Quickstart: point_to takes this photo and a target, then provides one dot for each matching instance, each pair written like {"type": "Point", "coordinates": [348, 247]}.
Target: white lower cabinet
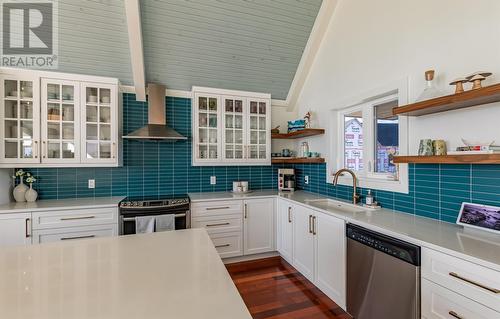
{"type": "Point", "coordinates": [228, 244]}
{"type": "Point", "coordinates": [15, 229]}
{"type": "Point", "coordinates": [284, 226]}
{"type": "Point", "coordinates": [258, 226]}
{"type": "Point", "coordinates": [73, 233]}
{"type": "Point", "coordinates": [303, 241]}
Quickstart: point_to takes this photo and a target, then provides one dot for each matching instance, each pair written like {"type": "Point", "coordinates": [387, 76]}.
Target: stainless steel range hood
{"type": "Point", "coordinates": [157, 128]}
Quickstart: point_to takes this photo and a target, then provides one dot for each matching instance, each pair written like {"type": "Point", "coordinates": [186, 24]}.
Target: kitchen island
{"type": "Point", "coordinates": [176, 275]}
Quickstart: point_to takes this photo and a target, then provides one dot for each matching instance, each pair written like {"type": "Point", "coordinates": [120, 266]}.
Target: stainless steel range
{"type": "Point", "coordinates": [133, 207]}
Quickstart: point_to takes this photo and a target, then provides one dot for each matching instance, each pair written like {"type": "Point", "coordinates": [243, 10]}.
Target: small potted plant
{"type": "Point", "coordinates": [31, 194]}
{"type": "Point", "coordinates": [20, 190]}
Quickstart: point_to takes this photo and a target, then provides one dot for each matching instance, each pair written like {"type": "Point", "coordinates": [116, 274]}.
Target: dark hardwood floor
{"type": "Point", "coordinates": [271, 288]}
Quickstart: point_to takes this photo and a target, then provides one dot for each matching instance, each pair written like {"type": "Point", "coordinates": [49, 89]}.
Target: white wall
{"type": "Point", "coordinates": [5, 185]}
{"type": "Point", "coordinates": [372, 43]}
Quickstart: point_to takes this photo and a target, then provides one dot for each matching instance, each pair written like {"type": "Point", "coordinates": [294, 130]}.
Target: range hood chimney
{"type": "Point", "coordinates": [157, 128]}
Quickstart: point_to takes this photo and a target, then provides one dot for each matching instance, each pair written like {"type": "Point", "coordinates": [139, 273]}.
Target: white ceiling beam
{"type": "Point", "coordinates": [133, 13]}
{"type": "Point", "coordinates": [320, 27]}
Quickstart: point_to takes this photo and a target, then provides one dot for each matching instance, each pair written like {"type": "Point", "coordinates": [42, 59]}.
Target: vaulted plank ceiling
{"type": "Point", "coordinates": [253, 45]}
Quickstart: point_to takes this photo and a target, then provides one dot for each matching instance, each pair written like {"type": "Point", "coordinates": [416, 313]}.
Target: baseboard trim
{"type": "Point", "coordinates": [232, 260]}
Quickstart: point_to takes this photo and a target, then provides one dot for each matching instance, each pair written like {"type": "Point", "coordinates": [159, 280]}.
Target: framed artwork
{"type": "Point", "coordinates": [480, 217]}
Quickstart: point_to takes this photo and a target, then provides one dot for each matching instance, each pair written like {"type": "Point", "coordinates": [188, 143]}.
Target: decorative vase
{"type": "Point", "coordinates": [31, 194]}
{"type": "Point", "coordinates": [20, 191]}
{"type": "Point", "coordinates": [426, 148]}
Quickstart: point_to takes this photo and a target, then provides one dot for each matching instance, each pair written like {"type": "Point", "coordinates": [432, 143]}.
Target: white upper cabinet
{"type": "Point", "coordinates": [58, 120]}
{"type": "Point", "coordinates": [231, 127]}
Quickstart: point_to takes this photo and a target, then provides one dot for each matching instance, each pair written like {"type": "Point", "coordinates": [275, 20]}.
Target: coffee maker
{"type": "Point", "coordinates": [286, 180]}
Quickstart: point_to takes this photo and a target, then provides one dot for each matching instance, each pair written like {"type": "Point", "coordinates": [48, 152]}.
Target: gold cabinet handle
{"type": "Point", "coordinates": [221, 224]}
{"type": "Point", "coordinates": [289, 214]}
{"type": "Point", "coordinates": [454, 314]}
{"type": "Point", "coordinates": [245, 215]}
{"type": "Point", "coordinates": [27, 228]}
{"type": "Point", "coordinates": [77, 237]}
{"type": "Point", "coordinates": [310, 224]}
{"type": "Point", "coordinates": [216, 208]}
{"type": "Point", "coordinates": [475, 283]}
{"type": "Point", "coordinates": [314, 225]}
{"type": "Point", "coordinates": [35, 149]}
{"type": "Point", "coordinates": [44, 149]}
{"type": "Point", "coordinates": [224, 245]}
{"type": "Point", "coordinates": [77, 218]}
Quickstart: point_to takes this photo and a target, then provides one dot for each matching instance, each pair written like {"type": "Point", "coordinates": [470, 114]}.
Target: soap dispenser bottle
{"type": "Point", "coordinates": [369, 198]}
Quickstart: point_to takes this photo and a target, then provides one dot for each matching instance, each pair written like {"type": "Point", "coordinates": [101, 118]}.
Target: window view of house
{"type": "Point", "coordinates": [386, 137]}
{"type": "Point", "coordinates": [353, 141]}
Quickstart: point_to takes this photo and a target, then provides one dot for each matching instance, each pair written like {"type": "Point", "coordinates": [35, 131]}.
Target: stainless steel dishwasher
{"type": "Point", "coordinates": [383, 276]}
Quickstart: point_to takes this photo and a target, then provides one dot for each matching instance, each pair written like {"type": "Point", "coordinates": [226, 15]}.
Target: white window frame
{"type": "Point", "coordinates": [367, 178]}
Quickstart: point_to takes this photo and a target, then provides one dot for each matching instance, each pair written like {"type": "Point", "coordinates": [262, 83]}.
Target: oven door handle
{"type": "Point", "coordinates": [129, 219]}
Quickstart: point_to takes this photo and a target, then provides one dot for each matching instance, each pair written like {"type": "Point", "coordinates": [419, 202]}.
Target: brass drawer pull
{"type": "Point", "coordinates": [289, 214]}
{"type": "Point", "coordinates": [454, 314]}
{"type": "Point", "coordinates": [314, 225]}
{"type": "Point", "coordinates": [215, 225]}
{"type": "Point", "coordinates": [77, 237]}
{"type": "Point", "coordinates": [225, 245]}
{"type": "Point", "coordinates": [475, 283]}
{"type": "Point", "coordinates": [310, 224]}
{"type": "Point", "coordinates": [77, 218]}
{"type": "Point", "coordinates": [215, 208]}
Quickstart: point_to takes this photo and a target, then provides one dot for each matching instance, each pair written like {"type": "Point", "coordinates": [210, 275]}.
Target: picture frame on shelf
{"type": "Point", "coordinates": [479, 216]}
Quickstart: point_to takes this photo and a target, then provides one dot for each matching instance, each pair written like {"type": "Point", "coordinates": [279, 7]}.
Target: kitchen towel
{"type": "Point", "coordinates": [144, 224]}
{"type": "Point", "coordinates": [165, 222]}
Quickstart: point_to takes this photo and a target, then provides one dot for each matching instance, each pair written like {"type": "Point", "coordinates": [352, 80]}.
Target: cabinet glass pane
{"type": "Point", "coordinates": [10, 129]}
{"type": "Point", "coordinates": [213, 136]}
{"type": "Point", "coordinates": [229, 106]}
{"type": "Point", "coordinates": [68, 150]}
{"type": "Point", "coordinates": [253, 108]}
{"type": "Point", "coordinates": [105, 114]}
{"type": "Point", "coordinates": [91, 113]}
{"type": "Point", "coordinates": [229, 121]}
{"type": "Point", "coordinates": [68, 93]}
{"type": "Point", "coordinates": [105, 150]}
{"type": "Point", "coordinates": [68, 111]}
{"type": "Point", "coordinates": [91, 95]}
{"type": "Point", "coordinates": [92, 150]}
{"type": "Point", "coordinates": [104, 132]}
{"type": "Point", "coordinates": [10, 149]}
{"type": "Point", "coordinates": [238, 137]}
{"type": "Point", "coordinates": [26, 89]}
{"type": "Point", "coordinates": [229, 136]}
{"type": "Point", "coordinates": [53, 150]}
{"type": "Point", "coordinates": [53, 131]}
{"type": "Point", "coordinates": [253, 123]}
{"type": "Point", "coordinates": [53, 91]}
{"type": "Point", "coordinates": [92, 132]}
{"type": "Point", "coordinates": [212, 152]}
{"type": "Point", "coordinates": [203, 103]}
{"type": "Point", "coordinates": [262, 107]}
{"type": "Point", "coordinates": [253, 137]}
{"type": "Point", "coordinates": [212, 104]}
{"type": "Point", "coordinates": [212, 120]}
{"type": "Point", "coordinates": [10, 109]}
{"type": "Point", "coordinates": [262, 152]}
{"type": "Point", "coordinates": [27, 149]}
{"type": "Point", "coordinates": [53, 112]}
{"type": "Point", "coordinates": [11, 90]}
{"type": "Point", "coordinates": [203, 151]}
{"type": "Point", "coordinates": [238, 151]}
{"type": "Point", "coordinates": [238, 121]}
{"type": "Point", "coordinates": [68, 131]}
{"type": "Point", "coordinates": [262, 137]}
{"type": "Point", "coordinates": [27, 129]}
{"type": "Point", "coordinates": [238, 106]}
{"type": "Point", "coordinates": [203, 120]}
{"type": "Point", "coordinates": [229, 153]}
{"type": "Point", "coordinates": [104, 96]}
{"type": "Point", "coordinates": [203, 135]}
{"type": "Point", "coordinates": [262, 123]}
{"type": "Point", "coordinates": [26, 109]}
{"type": "Point", "coordinates": [253, 151]}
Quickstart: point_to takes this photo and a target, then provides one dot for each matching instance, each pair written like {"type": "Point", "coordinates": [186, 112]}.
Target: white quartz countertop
{"type": "Point", "coordinates": [204, 197]}
{"type": "Point", "coordinates": [175, 274]}
{"type": "Point", "coordinates": [474, 245]}
{"type": "Point", "coordinates": [54, 204]}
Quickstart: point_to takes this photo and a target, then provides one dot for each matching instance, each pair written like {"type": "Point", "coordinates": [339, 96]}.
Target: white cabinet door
{"type": "Point", "coordinates": [330, 257]}
{"type": "Point", "coordinates": [60, 121]}
{"type": "Point", "coordinates": [258, 226]}
{"type": "Point", "coordinates": [206, 129]}
{"type": "Point", "coordinates": [19, 119]}
{"type": "Point", "coordinates": [234, 126]}
{"type": "Point", "coordinates": [258, 137]}
{"type": "Point", "coordinates": [303, 241]}
{"type": "Point", "coordinates": [15, 229]}
{"type": "Point", "coordinates": [100, 123]}
{"type": "Point", "coordinates": [285, 220]}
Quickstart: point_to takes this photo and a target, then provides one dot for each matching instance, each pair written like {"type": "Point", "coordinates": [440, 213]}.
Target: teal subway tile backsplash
{"type": "Point", "coordinates": [152, 168]}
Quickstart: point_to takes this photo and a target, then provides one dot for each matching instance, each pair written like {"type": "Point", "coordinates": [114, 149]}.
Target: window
{"type": "Point", "coordinates": [370, 136]}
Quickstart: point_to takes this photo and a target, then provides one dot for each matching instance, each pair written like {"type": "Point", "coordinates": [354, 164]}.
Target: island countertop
{"type": "Point", "coordinates": [161, 275]}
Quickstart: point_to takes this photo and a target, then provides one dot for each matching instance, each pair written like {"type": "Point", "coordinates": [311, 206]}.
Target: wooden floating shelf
{"type": "Point", "coordinates": [485, 95]}
{"type": "Point", "coordinates": [450, 159]}
{"type": "Point", "coordinates": [297, 160]}
{"type": "Point", "coordinates": [298, 134]}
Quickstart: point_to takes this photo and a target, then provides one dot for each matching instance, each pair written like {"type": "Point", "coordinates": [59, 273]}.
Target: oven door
{"type": "Point", "coordinates": [127, 217]}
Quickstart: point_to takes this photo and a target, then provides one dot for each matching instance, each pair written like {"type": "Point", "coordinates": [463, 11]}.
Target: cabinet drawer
{"type": "Point", "coordinates": [77, 217]}
{"type": "Point", "coordinates": [228, 244]}
{"type": "Point", "coordinates": [222, 224]}
{"type": "Point", "coordinates": [439, 302]}
{"type": "Point", "coordinates": [74, 233]}
{"type": "Point", "coordinates": [471, 280]}
{"type": "Point", "coordinates": [217, 208]}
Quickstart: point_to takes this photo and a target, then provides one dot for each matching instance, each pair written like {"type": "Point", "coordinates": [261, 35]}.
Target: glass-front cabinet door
{"type": "Point", "coordinates": [258, 133]}
{"type": "Point", "coordinates": [99, 123]}
{"type": "Point", "coordinates": [60, 121]}
{"type": "Point", "coordinates": [19, 120]}
{"type": "Point", "coordinates": [234, 126]}
{"type": "Point", "coordinates": [207, 110]}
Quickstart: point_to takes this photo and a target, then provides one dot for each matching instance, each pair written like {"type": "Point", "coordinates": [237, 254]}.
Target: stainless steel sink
{"type": "Point", "coordinates": [332, 204]}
